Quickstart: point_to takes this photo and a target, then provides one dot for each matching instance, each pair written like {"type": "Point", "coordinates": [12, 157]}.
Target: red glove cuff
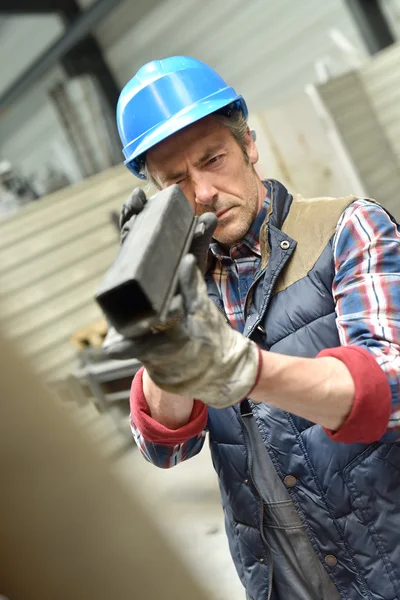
{"type": "Point", "coordinates": [372, 406]}
{"type": "Point", "coordinates": [154, 432]}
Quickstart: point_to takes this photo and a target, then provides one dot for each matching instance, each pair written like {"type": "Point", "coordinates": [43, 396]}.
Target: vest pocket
{"type": "Point", "coordinates": [254, 560]}
{"type": "Point", "coordinates": [372, 529]}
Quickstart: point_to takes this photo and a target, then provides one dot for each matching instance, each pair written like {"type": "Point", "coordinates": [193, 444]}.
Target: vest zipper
{"type": "Point", "coordinates": [259, 275]}
{"type": "Point", "coordinates": [261, 501]}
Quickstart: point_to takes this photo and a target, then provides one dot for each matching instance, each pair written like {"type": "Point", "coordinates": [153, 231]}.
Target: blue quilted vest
{"type": "Point", "coordinates": [348, 496]}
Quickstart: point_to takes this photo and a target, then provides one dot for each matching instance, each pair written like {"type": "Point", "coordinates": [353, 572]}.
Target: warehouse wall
{"type": "Point", "coordinates": [21, 40]}
{"type": "Point", "coordinates": [31, 135]}
{"type": "Point", "coordinates": [267, 50]}
{"type": "Point", "coordinates": [365, 105]}
{"type": "Point", "coordinates": [54, 253]}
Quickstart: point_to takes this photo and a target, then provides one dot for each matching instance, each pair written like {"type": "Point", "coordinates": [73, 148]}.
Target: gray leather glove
{"type": "Point", "coordinates": [129, 211]}
{"type": "Point", "coordinates": [200, 356]}
{"type": "Point", "coordinates": [115, 345]}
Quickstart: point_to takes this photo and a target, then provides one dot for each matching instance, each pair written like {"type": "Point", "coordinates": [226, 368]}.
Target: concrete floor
{"type": "Point", "coordinates": [185, 502]}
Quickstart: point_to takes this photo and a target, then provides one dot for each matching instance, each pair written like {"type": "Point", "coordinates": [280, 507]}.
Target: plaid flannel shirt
{"type": "Point", "coordinates": [366, 289]}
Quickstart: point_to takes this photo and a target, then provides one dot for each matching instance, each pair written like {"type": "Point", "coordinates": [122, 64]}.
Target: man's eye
{"type": "Point", "coordinates": [214, 159]}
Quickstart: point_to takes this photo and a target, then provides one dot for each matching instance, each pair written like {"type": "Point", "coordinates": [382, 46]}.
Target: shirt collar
{"type": "Point", "coordinates": [250, 244]}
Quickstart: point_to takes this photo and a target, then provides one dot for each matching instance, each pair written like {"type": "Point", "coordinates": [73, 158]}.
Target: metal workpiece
{"type": "Point", "coordinates": [136, 292]}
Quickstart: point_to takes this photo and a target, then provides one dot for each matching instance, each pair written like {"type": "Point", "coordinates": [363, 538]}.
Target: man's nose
{"type": "Point", "coordinates": [204, 191]}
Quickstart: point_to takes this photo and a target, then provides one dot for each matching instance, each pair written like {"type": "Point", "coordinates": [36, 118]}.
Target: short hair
{"type": "Point", "coordinates": [233, 119]}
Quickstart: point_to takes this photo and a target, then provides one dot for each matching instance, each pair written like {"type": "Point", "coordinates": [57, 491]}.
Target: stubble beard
{"type": "Point", "coordinates": [235, 231]}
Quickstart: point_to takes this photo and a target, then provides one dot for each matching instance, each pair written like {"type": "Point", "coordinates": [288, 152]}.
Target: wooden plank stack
{"type": "Point", "coordinates": [54, 253]}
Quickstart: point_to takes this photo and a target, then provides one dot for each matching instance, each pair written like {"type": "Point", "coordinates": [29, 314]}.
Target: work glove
{"type": "Point", "coordinates": [115, 345]}
{"type": "Point", "coordinates": [200, 355]}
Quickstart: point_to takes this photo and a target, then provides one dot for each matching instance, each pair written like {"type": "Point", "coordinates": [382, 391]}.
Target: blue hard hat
{"type": "Point", "coordinates": [165, 96]}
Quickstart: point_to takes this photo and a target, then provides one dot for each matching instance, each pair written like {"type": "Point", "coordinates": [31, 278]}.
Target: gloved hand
{"type": "Point", "coordinates": [115, 345]}
{"type": "Point", "coordinates": [205, 228]}
{"type": "Point", "coordinates": [129, 211]}
{"type": "Point", "coordinates": [200, 356]}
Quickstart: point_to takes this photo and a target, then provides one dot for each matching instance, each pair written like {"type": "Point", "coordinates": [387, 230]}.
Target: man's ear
{"type": "Point", "coordinates": [251, 148]}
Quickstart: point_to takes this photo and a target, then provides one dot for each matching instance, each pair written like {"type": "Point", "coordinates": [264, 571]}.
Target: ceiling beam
{"type": "Point", "coordinates": [18, 7]}
{"type": "Point", "coordinates": [76, 32]}
{"type": "Point", "coordinates": [87, 57]}
{"type": "Point", "coordinates": [372, 24]}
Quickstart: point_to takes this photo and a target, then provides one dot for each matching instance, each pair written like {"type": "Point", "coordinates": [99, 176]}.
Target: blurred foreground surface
{"type": "Point", "coordinates": [185, 502]}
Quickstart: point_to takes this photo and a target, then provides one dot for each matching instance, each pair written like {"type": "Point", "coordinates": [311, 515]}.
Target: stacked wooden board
{"type": "Point", "coordinates": [53, 254]}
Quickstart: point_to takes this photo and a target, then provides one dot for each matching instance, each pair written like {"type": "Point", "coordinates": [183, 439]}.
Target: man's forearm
{"type": "Point", "coordinates": [320, 390]}
{"type": "Point", "coordinates": [170, 410]}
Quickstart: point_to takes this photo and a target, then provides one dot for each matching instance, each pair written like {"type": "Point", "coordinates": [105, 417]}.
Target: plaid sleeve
{"type": "Point", "coordinates": [366, 289]}
{"type": "Point", "coordinates": [164, 456]}
{"type": "Point", "coordinates": [161, 446]}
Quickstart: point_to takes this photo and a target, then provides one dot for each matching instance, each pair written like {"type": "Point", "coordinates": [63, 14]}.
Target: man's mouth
{"type": "Point", "coordinates": [221, 213]}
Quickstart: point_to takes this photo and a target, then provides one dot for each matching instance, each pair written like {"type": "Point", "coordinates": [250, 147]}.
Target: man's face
{"type": "Point", "coordinates": [211, 169]}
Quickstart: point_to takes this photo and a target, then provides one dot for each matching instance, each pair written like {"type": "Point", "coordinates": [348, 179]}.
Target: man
{"type": "Point", "coordinates": [300, 391]}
